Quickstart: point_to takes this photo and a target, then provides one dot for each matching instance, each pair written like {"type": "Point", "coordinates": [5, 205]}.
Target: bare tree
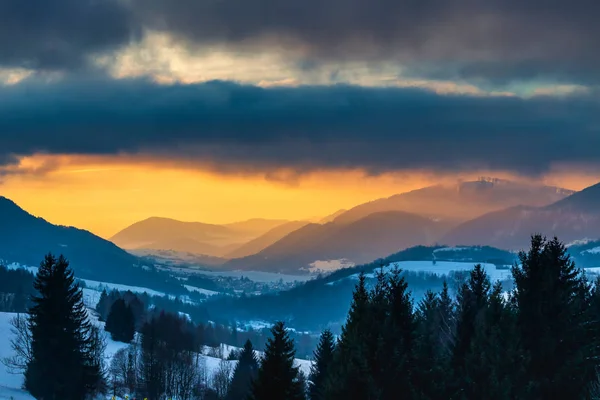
{"type": "Point", "coordinates": [96, 352]}
{"type": "Point", "coordinates": [201, 384]}
{"type": "Point", "coordinates": [20, 344]}
{"type": "Point", "coordinates": [118, 372]}
{"type": "Point", "coordinates": [222, 378]}
{"type": "Point", "coordinates": [216, 352]}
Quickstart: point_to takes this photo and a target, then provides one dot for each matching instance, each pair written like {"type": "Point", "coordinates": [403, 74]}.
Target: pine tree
{"type": "Point", "coordinates": [350, 377]}
{"type": "Point", "coordinates": [153, 374]}
{"type": "Point", "coordinates": [277, 376]}
{"type": "Point", "coordinates": [471, 302]}
{"type": "Point", "coordinates": [429, 374]}
{"type": "Point", "coordinates": [397, 350]}
{"type": "Point", "coordinates": [63, 364]}
{"type": "Point", "coordinates": [102, 306]}
{"type": "Point", "coordinates": [245, 372]}
{"type": "Point", "coordinates": [121, 322]}
{"type": "Point", "coordinates": [323, 358]}
{"type": "Point", "coordinates": [446, 311]}
{"type": "Point", "coordinates": [552, 299]}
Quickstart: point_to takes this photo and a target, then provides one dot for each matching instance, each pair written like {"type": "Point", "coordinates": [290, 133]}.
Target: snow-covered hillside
{"type": "Point", "coordinates": [10, 384]}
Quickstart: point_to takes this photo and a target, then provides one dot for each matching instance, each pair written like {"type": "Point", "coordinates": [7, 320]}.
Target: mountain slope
{"type": "Point", "coordinates": [193, 237]}
{"type": "Point", "coordinates": [26, 239]}
{"type": "Point", "coordinates": [461, 202]}
{"type": "Point", "coordinates": [371, 237]}
{"type": "Point", "coordinates": [255, 226]}
{"type": "Point", "coordinates": [331, 217]}
{"type": "Point", "coordinates": [263, 241]}
{"type": "Point", "coordinates": [575, 217]}
{"type": "Point", "coordinates": [156, 229]}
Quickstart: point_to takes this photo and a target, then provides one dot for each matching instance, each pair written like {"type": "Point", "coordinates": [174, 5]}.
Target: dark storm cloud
{"type": "Point", "coordinates": [60, 34]}
{"type": "Point", "coordinates": [491, 41]}
{"type": "Point", "coordinates": [497, 40]}
{"type": "Point", "coordinates": [237, 128]}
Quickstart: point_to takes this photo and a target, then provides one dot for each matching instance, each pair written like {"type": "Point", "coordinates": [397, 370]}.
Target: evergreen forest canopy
{"type": "Point", "coordinates": [539, 340]}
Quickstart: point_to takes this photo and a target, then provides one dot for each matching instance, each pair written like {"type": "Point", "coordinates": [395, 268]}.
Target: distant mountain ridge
{"type": "Point", "coordinates": [463, 201]}
{"type": "Point", "coordinates": [194, 237]}
{"type": "Point", "coordinates": [572, 218]}
{"type": "Point", "coordinates": [374, 236]}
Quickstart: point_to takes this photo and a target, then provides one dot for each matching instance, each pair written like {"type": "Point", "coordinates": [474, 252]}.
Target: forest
{"type": "Point", "coordinates": [538, 340]}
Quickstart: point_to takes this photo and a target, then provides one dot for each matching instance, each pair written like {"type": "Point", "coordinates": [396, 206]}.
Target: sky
{"type": "Point", "coordinates": [113, 111]}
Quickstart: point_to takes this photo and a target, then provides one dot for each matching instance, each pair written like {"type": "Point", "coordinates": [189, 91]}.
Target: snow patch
{"type": "Point", "coordinates": [200, 290]}
{"type": "Point", "coordinates": [100, 286]}
{"type": "Point", "coordinates": [443, 249]}
{"type": "Point", "coordinates": [329, 265]}
{"type": "Point", "coordinates": [595, 250]}
{"type": "Point", "coordinates": [579, 242]}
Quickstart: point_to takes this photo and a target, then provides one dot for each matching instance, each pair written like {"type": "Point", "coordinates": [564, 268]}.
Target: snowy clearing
{"type": "Point", "coordinates": [329, 265]}
{"type": "Point", "coordinates": [595, 250]}
{"type": "Point", "coordinates": [445, 267]}
{"type": "Point", "coordinates": [448, 249]}
{"type": "Point", "coordinates": [200, 290]}
{"type": "Point", "coordinates": [99, 286]}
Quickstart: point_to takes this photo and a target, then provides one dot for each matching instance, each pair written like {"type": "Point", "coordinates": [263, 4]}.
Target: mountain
{"type": "Point", "coordinates": [255, 226]}
{"type": "Point", "coordinates": [331, 217]}
{"type": "Point", "coordinates": [193, 237]}
{"type": "Point", "coordinates": [572, 218]}
{"type": "Point", "coordinates": [461, 202]}
{"type": "Point", "coordinates": [26, 239]}
{"type": "Point", "coordinates": [374, 236]}
{"type": "Point", "coordinates": [265, 240]}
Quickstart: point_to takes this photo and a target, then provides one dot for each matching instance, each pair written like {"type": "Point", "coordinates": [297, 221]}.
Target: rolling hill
{"type": "Point", "coordinates": [374, 236]}
{"type": "Point", "coordinates": [192, 237]}
{"type": "Point", "coordinates": [572, 218]}
{"type": "Point", "coordinates": [256, 245]}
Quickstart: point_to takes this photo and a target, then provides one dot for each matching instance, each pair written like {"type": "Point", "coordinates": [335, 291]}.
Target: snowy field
{"type": "Point", "coordinates": [200, 290]}
{"type": "Point", "coordinates": [329, 266]}
{"type": "Point", "coordinates": [595, 250]}
{"type": "Point", "coordinates": [99, 286]}
{"type": "Point", "coordinates": [10, 384]}
{"type": "Point", "coordinates": [441, 268]}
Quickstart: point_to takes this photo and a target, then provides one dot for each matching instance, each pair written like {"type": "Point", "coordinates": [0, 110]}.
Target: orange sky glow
{"type": "Point", "coordinates": [105, 195]}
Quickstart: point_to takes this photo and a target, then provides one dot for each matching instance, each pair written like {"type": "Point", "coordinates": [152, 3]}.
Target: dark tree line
{"type": "Point", "coordinates": [16, 289]}
{"type": "Point", "coordinates": [210, 333]}
{"type": "Point", "coordinates": [539, 341]}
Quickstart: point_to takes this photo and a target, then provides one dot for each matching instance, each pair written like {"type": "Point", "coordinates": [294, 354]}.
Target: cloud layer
{"type": "Point", "coordinates": [492, 41]}
{"type": "Point", "coordinates": [61, 34]}
{"type": "Point", "coordinates": [239, 128]}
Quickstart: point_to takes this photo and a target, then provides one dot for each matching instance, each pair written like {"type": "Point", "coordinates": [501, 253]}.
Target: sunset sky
{"type": "Point", "coordinates": [217, 111]}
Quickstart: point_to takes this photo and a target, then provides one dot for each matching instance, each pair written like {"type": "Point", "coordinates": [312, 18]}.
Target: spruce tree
{"type": "Point", "coordinates": [430, 371]}
{"type": "Point", "coordinates": [397, 351]}
{"type": "Point", "coordinates": [277, 376]}
{"type": "Point", "coordinates": [471, 302]}
{"type": "Point", "coordinates": [552, 299]}
{"type": "Point", "coordinates": [102, 305]}
{"type": "Point", "coordinates": [319, 371]}
{"type": "Point", "coordinates": [245, 372]}
{"type": "Point", "coordinates": [350, 378]}
{"type": "Point", "coordinates": [63, 364]}
{"type": "Point", "coordinates": [121, 322]}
